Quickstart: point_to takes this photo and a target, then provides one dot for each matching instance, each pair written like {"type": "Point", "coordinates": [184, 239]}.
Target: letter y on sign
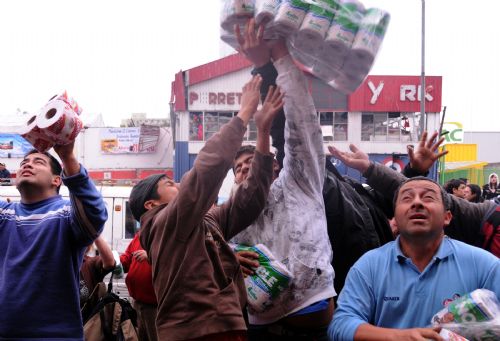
{"type": "Point", "coordinates": [375, 91]}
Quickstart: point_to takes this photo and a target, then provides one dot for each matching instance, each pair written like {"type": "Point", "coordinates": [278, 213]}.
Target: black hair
{"type": "Point", "coordinates": [476, 190]}
{"type": "Point", "coordinates": [453, 184]}
{"type": "Point", "coordinates": [55, 166]}
{"type": "Point", "coordinates": [444, 196]}
{"type": "Point", "coordinates": [246, 149]}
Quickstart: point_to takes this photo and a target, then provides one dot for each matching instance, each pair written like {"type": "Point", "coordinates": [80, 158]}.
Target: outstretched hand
{"type": "Point", "coordinates": [252, 43]}
{"type": "Point", "coordinates": [270, 108]}
{"type": "Point", "coordinates": [250, 98]}
{"type": "Point", "coordinates": [426, 153]}
{"type": "Point", "coordinates": [356, 159]}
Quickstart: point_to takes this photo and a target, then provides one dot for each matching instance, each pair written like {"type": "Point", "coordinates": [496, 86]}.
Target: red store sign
{"type": "Point", "coordinates": [396, 94]}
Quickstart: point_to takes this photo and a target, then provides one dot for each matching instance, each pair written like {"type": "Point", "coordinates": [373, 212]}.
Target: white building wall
{"type": "Point", "coordinates": [89, 153]}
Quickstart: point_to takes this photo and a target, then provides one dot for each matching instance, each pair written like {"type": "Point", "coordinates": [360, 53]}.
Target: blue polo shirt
{"type": "Point", "coordinates": [384, 288]}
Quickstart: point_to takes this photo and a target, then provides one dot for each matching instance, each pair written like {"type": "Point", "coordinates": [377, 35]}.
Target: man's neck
{"type": "Point", "coordinates": [32, 195]}
{"type": "Point", "coordinates": [419, 251]}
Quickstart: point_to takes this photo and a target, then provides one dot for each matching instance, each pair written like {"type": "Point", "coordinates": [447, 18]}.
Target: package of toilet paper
{"type": "Point", "coordinates": [269, 280]}
{"type": "Point", "coordinates": [474, 316]}
{"type": "Point", "coordinates": [336, 40]}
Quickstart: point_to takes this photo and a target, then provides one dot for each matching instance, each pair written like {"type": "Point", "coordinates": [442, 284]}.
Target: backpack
{"type": "Point", "coordinates": [112, 319]}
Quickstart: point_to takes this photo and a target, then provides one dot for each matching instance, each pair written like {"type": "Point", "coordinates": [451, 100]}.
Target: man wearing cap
{"type": "Point", "coordinates": [196, 277]}
{"type": "Point", "coordinates": [135, 261]}
{"type": "Point", "coordinates": [4, 174]}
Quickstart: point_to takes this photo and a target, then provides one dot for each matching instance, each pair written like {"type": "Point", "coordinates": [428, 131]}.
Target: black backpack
{"type": "Point", "coordinates": [112, 319]}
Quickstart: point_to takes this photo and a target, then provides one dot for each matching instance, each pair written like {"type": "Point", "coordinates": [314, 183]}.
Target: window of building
{"type": "Point", "coordinates": [251, 134]}
{"type": "Point", "coordinates": [392, 126]}
{"type": "Point", "coordinates": [214, 121]}
{"type": "Point", "coordinates": [196, 126]}
{"type": "Point", "coordinates": [333, 125]}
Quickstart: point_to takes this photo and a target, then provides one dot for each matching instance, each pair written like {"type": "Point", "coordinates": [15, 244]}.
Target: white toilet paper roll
{"type": "Point", "coordinates": [37, 138]}
{"type": "Point", "coordinates": [236, 12]}
{"type": "Point", "coordinates": [325, 72]}
{"type": "Point", "coordinates": [289, 17]}
{"type": "Point", "coordinates": [229, 38]}
{"type": "Point", "coordinates": [59, 122]}
{"type": "Point", "coordinates": [370, 35]}
{"type": "Point", "coordinates": [309, 38]}
{"type": "Point", "coordinates": [303, 58]}
{"type": "Point", "coordinates": [265, 11]}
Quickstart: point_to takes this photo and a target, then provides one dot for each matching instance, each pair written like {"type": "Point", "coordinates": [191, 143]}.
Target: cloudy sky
{"type": "Point", "coordinates": [120, 57]}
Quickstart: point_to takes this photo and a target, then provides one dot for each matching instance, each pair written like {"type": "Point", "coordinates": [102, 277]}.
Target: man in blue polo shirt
{"type": "Point", "coordinates": [392, 292]}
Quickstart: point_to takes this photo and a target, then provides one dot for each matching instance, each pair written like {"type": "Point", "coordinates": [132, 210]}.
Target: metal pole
{"type": "Point", "coordinates": [422, 77]}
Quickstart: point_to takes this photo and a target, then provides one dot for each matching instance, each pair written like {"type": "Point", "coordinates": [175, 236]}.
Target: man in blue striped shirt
{"type": "Point", "coordinates": [392, 292]}
{"type": "Point", "coordinates": [42, 241]}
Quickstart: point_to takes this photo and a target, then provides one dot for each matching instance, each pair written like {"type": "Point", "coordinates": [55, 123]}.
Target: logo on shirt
{"type": "Point", "coordinates": [391, 298]}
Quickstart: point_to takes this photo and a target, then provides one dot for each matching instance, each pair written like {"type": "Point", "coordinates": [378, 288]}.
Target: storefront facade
{"type": "Point", "coordinates": [381, 117]}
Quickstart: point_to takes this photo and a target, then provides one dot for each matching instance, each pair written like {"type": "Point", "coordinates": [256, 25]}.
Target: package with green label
{"type": "Point", "coordinates": [475, 316]}
{"type": "Point", "coordinates": [269, 280]}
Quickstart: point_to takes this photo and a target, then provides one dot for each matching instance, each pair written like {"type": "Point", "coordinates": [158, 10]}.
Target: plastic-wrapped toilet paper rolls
{"type": "Point", "coordinates": [58, 122]}
{"type": "Point", "coordinates": [269, 280]}
{"type": "Point", "coordinates": [236, 12]}
{"type": "Point", "coordinates": [309, 38]}
{"type": "Point", "coordinates": [265, 11]}
{"type": "Point", "coordinates": [330, 38]}
{"type": "Point", "coordinates": [342, 32]}
{"type": "Point", "coordinates": [289, 17]}
{"type": "Point", "coordinates": [369, 38]}
{"type": "Point", "coordinates": [35, 136]}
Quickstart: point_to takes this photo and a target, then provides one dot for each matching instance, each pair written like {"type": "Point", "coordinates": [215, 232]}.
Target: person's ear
{"type": "Point", "coordinates": [447, 218]}
{"type": "Point", "coordinates": [56, 180]}
{"type": "Point", "coordinates": [150, 204]}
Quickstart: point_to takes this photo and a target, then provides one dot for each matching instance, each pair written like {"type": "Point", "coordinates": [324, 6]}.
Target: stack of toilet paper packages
{"type": "Point", "coordinates": [269, 280]}
{"type": "Point", "coordinates": [56, 123]}
{"type": "Point", "coordinates": [336, 40]}
{"type": "Point", "coordinates": [475, 316]}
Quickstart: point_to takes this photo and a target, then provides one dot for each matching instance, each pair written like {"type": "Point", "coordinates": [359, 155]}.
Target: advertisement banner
{"type": "Point", "coordinates": [129, 140]}
{"type": "Point", "coordinates": [13, 145]}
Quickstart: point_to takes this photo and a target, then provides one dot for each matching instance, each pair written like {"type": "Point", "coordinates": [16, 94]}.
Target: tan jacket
{"type": "Point", "coordinates": [196, 276]}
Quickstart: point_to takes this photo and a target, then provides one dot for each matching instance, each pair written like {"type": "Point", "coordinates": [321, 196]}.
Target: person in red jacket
{"type": "Point", "coordinates": [139, 282]}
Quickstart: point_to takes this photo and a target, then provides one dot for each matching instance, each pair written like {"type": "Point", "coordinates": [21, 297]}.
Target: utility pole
{"type": "Point", "coordinates": [422, 76]}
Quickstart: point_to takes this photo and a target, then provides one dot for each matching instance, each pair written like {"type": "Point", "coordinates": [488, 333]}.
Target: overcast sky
{"type": "Point", "coordinates": [120, 57]}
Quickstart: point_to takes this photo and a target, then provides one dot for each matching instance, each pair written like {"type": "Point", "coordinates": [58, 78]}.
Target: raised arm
{"type": "Point", "coordinates": [249, 199]}
{"type": "Point", "coordinates": [88, 209]}
{"type": "Point", "coordinates": [108, 261]}
{"type": "Point", "coordinates": [199, 187]}
{"type": "Point", "coordinates": [304, 163]}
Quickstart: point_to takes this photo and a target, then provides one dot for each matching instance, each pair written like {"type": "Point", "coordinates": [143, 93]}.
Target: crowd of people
{"type": "Point", "coordinates": [462, 188]}
{"type": "Point", "coordinates": [393, 249]}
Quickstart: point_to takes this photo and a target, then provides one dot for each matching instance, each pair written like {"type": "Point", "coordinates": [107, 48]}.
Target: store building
{"type": "Point", "coordinates": [382, 116]}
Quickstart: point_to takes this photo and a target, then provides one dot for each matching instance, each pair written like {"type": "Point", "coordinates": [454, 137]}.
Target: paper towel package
{"type": "Point", "coordinates": [57, 122]}
{"type": "Point", "coordinates": [269, 280]}
{"type": "Point", "coordinates": [336, 40]}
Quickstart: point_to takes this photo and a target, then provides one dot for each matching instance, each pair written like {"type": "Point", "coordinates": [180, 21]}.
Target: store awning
{"type": "Point", "coordinates": [448, 166]}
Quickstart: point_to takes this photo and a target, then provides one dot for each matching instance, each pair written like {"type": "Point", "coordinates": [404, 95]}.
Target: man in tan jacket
{"type": "Point", "coordinates": [196, 277]}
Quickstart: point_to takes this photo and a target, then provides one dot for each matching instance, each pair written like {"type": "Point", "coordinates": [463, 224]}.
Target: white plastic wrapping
{"type": "Point", "coordinates": [269, 280]}
{"type": "Point", "coordinates": [57, 122]}
{"type": "Point", "coordinates": [336, 40]}
{"type": "Point", "coordinates": [475, 316]}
